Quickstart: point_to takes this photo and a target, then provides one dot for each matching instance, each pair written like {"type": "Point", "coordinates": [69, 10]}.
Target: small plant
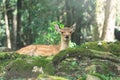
{"type": "Point", "coordinates": [72, 44]}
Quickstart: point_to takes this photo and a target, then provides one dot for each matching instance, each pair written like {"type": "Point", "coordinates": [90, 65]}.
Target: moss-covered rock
{"type": "Point", "coordinates": [92, 57]}
{"type": "Point", "coordinates": [13, 65]}
{"type": "Point", "coordinates": [81, 52]}
{"type": "Point", "coordinates": [112, 47]}
{"type": "Point", "coordinates": [7, 57]}
{"type": "Point", "coordinates": [23, 67]}
{"type": "Point", "coordinates": [49, 69]}
{"type": "Point", "coordinates": [100, 46]}
{"type": "Point", "coordinates": [4, 49]}
{"type": "Point", "coordinates": [73, 68]}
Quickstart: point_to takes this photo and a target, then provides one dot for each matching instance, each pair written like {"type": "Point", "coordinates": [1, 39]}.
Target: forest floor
{"type": "Point", "coordinates": [85, 62]}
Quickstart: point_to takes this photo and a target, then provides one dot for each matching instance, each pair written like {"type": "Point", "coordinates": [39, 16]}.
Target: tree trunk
{"type": "Point", "coordinates": [109, 22]}
{"type": "Point", "coordinates": [15, 28]}
{"type": "Point", "coordinates": [105, 20]}
{"type": "Point", "coordinates": [19, 23]}
{"type": "Point", "coordinates": [7, 25]}
{"type": "Point", "coordinates": [99, 19]}
{"type": "Point", "coordinates": [68, 13]}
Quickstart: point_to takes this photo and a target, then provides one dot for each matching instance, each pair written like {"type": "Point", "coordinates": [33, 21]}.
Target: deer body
{"type": "Point", "coordinates": [48, 50]}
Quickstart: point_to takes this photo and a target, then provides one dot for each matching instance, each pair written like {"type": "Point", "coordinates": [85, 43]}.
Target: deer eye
{"type": "Point", "coordinates": [70, 31]}
{"type": "Point", "coordinates": [62, 32]}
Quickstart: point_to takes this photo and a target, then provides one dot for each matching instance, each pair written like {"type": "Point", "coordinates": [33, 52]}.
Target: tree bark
{"type": "Point", "coordinates": [15, 29]}
{"type": "Point", "coordinates": [109, 22]}
{"type": "Point", "coordinates": [68, 13]}
{"type": "Point", "coordinates": [7, 25]}
{"type": "Point", "coordinates": [19, 23]}
{"type": "Point", "coordinates": [105, 20]}
{"type": "Point", "coordinates": [99, 19]}
{"type": "Point", "coordinates": [15, 21]}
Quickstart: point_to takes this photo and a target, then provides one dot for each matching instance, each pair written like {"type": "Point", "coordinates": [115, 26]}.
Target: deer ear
{"type": "Point", "coordinates": [57, 28]}
{"type": "Point", "coordinates": [73, 26]}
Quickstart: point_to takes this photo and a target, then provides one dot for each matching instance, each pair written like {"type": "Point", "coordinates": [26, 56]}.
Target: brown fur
{"type": "Point", "coordinates": [48, 50]}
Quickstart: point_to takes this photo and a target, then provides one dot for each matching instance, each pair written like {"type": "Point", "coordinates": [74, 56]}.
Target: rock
{"type": "Point", "coordinates": [4, 49]}
{"type": "Point", "coordinates": [91, 77]}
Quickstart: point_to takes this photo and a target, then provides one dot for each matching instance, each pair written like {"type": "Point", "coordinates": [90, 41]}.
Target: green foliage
{"type": "Point", "coordinates": [51, 36]}
{"type": "Point", "coordinates": [72, 44]}
{"type": "Point", "coordinates": [36, 18]}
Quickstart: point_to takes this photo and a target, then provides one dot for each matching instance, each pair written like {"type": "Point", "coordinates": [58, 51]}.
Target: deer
{"type": "Point", "coordinates": [49, 50]}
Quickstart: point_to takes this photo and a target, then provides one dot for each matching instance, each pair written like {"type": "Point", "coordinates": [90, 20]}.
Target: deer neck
{"type": "Point", "coordinates": [64, 44]}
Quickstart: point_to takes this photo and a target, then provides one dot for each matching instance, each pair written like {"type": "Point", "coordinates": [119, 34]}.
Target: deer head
{"type": "Point", "coordinates": [66, 32]}
{"type": "Point", "coordinates": [65, 35]}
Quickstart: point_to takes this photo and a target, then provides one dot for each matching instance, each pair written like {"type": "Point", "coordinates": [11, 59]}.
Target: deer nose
{"type": "Point", "coordinates": [66, 37]}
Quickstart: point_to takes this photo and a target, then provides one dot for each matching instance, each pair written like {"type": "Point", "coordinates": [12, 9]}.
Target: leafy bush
{"type": "Point", "coordinates": [51, 36]}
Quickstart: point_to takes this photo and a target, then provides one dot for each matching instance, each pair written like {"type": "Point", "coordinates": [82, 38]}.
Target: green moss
{"type": "Point", "coordinates": [100, 46]}
{"type": "Point", "coordinates": [10, 56]}
{"type": "Point", "coordinates": [103, 57]}
{"type": "Point", "coordinates": [39, 61]}
{"type": "Point", "coordinates": [49, 69]}
{"type": "Point", "coordinates": [6, 58]}
{"type": "Point", "coordinates": [48, 77]}
{"type": "Point", "coordinates": [28, 63]}
{"type": "Point", "coordinates": [78, 52]}
{"type": "Point", "coordinates": [23, 67]}
{"type": "Point", "coordinates": [20, 65]}
{"type": "Point", "coordinates": [106, 76]}
{"type": "Point", "coordinates": [114, 48]}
